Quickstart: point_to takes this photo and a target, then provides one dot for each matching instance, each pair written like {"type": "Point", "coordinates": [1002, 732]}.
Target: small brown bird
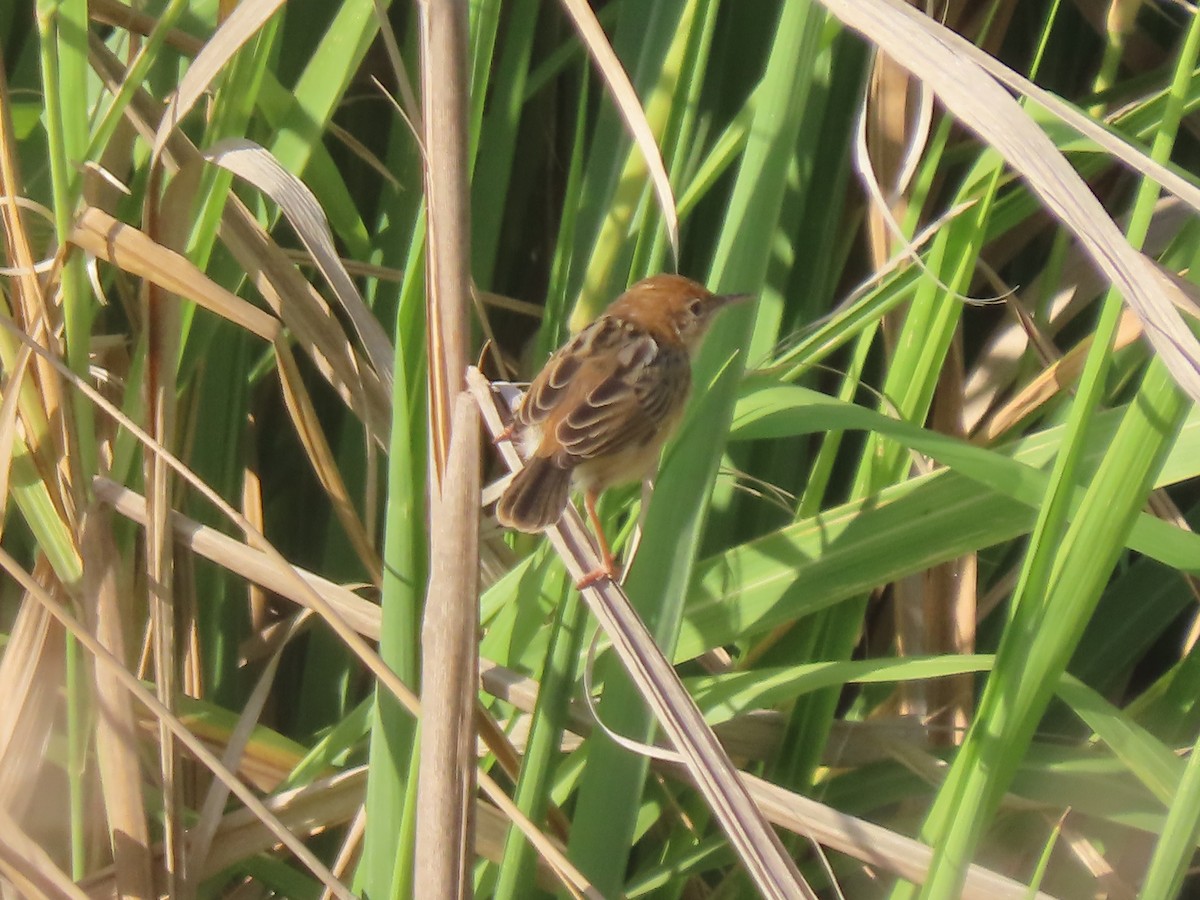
{"type": "Point", "coordinates": [601, 409]}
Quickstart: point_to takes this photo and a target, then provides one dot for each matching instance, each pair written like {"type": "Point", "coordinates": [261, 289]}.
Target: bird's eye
{"type": "Point", "coordinates": [696, 307]}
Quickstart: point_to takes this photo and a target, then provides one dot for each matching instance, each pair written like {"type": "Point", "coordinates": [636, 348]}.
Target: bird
{"type": "Point", "coordinates": [605, 403]}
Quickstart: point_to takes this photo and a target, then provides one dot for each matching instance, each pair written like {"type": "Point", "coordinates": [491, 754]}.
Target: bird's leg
{"type": "Point", "coordinates": [608, 566]}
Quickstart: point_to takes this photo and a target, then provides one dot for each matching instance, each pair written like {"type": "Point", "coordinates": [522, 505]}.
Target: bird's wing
{"type": "Point", "coordinates": [631, 393]}
{"type": "Point", "coordinates": [551, 385]}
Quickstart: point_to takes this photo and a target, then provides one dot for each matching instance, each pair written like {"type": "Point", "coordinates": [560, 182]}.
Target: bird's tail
{"type": "Point", "coordinates": [536, 496]}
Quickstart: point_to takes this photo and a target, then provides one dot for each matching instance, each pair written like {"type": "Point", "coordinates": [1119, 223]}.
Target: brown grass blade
{"type": "Point", "coordinates": [324, 464]}
{"type": "Point", "coordinates": [1111, 142]}
{"type": "Point", "coordinates": [117, 755]}
{"type": "Point", "coordinates": [202, 833]}
{"type": "Point", "coordinates": [873, 843]}
{"type": "Point", "coordinates": [1059, 376]}
{"type": "Point", "coordinates": [8, 425]}
{"type": "Point", "coordinates": [137, 253]}
{"type": "Point", "coordinates": [444, 88]}
{"type": "Point", "coordinates": [450, 671]}
{"type": "Point", "coordinates": [31, 677]}
{"type": "Point", "coordinates": [29, 868]}
{"type": "Point", "coordinates": [408, 105]}
{"type": "Point", "coordinates": [248, 562]}
{"type": "Point", "coordinates": [890, 139]}
{"type": "Point", "coordinates": [46, 411]}
{"type": "Point", "coordinates": [308, 318]}
{"type": "Point", "coordinates": [119, 15]}
{"type": "Point", "coordinates": [162, 318]}
{"type": "Point", "coordinates": [245, 21]}
{"type": "Point", "coordinates": [257, 166]}
{"type": "Point", "coordinates": [351, 847]}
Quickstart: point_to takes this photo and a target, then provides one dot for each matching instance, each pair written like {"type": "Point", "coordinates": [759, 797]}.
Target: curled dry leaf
{"type": "Point", "coordinates": [256, 165]}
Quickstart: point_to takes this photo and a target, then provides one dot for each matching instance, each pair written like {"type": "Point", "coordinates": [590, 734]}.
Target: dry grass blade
{"type": "Point", "coordinates": [320, 455]}
{"type": "Point", "coordinates": [249, 563]}
{"type": "Point", "coordinates": [116, 735]}
{"type": "Point", "coordinates": [1000, 363]}
{"type": "Point", "coordinates": [135, 252]}
{"type": "Point", "coordinates": [160, 387]}
{"type": "Point", "coordinates": [126, 18]}
{"type": "Point", "coordinates": [886, 153]}
{"type": "Point", "coordinates": [948, 64]}
{"type": "Point", "coordinates": [871, 843]}
{"type": "Point", "coordinates": [130, 683]}
{"type": "Point", "coordinates": [1059, 376]}
{"type": "Point", "coordinates": [1092, 859]}
{"type": "Point", "coordinates": [247, 18]}
{"type": "Point", "coordinates": [444, 90]}
{"type": "Point", "coordinates": [303, 811]}
{"type": "Point", "coordinates": [549, 850]}
{"type": "Point", "coordinates": [1108, 141]}
{"type": "Point", "coordinates": [310, 809]}
{"type": "Point", "coordinates": [445, 840]}
{"type": "Point", "coordinates": [1075, 286]}
{"type": "Point", "coordinates": [1002, 357]}
{"type": "Point", "coordinates": [44, 266]}
{"type": "Point", "coordinates": [948, 602]}
{"type": "Point", "coordinates": [8, 425]}
{"type": "Point", "coordinates": [449, 669]}
{"type": "Point", "coordinates": [29, 868]}
{"type": "Point", "coordinates": [308, 319]}
{"type": "Point", "coordinates": [253, 163]}
{"type": "Point", "coordinates": [202, 833]}
{"type": "Point", "coordinates": [351, 846]}
{"type": "Point", "coordinates": [31, 675]}
{"type": "Point", "coordinates": [409, 108]}
{"type": "Point", "coordinates": [630, 107]}
{"type": "Point", "coordinates": [757, 845]}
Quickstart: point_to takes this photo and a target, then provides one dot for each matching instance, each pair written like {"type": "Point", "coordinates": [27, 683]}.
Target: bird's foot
{"type": "Point", "coordinates": [606, 571]}
{"type": "Point", "coordinates": [594, 577]}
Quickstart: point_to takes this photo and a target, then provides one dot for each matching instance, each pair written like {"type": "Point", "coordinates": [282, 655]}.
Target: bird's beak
{"type": "Point", "coordinates": [729, 299]}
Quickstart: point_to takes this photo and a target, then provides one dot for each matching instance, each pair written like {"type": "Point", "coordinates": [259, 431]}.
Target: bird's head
{"type": "Point", "coordinates": [672, 308]}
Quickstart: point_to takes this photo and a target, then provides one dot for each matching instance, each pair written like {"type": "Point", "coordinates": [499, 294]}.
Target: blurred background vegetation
{"type": "Point", "coordinates": [922, 552]}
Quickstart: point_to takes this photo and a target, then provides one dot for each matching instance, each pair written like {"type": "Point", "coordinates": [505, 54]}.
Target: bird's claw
{"type": "Point", "coordinates": [594, 577]}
